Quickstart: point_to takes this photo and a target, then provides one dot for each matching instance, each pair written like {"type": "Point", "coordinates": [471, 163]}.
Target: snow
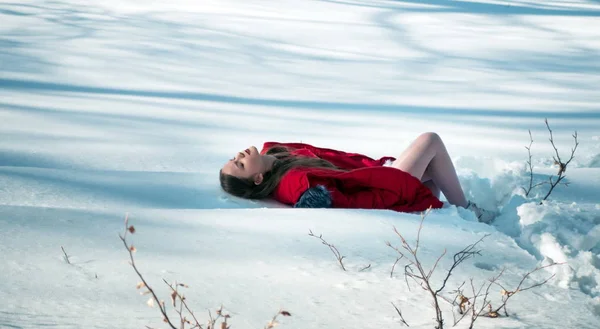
{"type": "Point", "coordinates": [132, 106]}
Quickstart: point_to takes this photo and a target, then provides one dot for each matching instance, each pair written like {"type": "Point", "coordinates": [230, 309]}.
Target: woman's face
{"type": "Point", "coordinates": [247, 164]}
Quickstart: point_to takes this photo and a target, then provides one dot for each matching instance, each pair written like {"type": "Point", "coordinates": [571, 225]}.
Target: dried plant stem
{"type": "Point", "coordinates": [365, 268]}
{"type": "Point", "coordinates": [271, 324]}
{"type": "Point", "coordinates": [220, 314]}
{"type": "Point", "coordinates": [394, 266]}
{"type": "Point", "coordinates": [65, 255]}
{"type": "Point", "coordinates": [333, 249]}
{"type": "Point", "coordinates": [507, 294]}
{"type": "Point", "coordinates": [182, 318]}
{"type": "Point", "coordinates": [212, 321]}
{"type": "Point", "coordinates": [468, 252]}
{"type": "Point", "coordinates": [530, 164]}
{"type": "Point", "coordinates": [562, 165]}
{"type": "Point", "coordinates": [453, 302]}
{"type": "Point", "coordinates": [465, 304]}
{"type": "Point", "coordinates": [182, 303]}
{"type": "Point", "coordinates": [414, 269]}
{"type": "Point", "coordinates": [476, 313]}
{"type": "Point", "coordinates": [400, 314]}
{"type": "Point", "coordinates": [175, 295]}
{"type": "Point", "coordinates": [161, 306]}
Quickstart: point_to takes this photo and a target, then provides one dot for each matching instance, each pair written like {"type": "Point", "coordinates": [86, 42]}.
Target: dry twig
{"type": "Point", "coordinates": [220, 314]}
{"type": "Point", "coordinates": [507, 294]}
{"type": "Point", "coordinates": [365, 268]}
{"type": "Point", "coordinates": [414, 269]}
{"type": "Point", "coordinates": [131, 249]}
{"type": "Point", "coordinates": [400, 314]}
{"type": "Point", "coordinates": [274, 322]}
{"type": "Point", "coordinates": [458, 293]}
{"type": "Point", "coordinates": [557, 160]}
{"type": "Point", "coordinates": [476, 313]}
{"type": "Point", "coordinates": [530, 164]}
{"type": "Point", "coordinates": [66, 257]}
{"type": "Point", "coordinates": [177, 296]}
{"type": "Point", "coordinates": [333, 249]}
{"type": "Point", "coordinates": [394, 266]}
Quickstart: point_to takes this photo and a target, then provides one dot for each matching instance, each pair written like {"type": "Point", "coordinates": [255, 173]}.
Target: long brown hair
{"type": "Point", "coordinates": [245, 187]}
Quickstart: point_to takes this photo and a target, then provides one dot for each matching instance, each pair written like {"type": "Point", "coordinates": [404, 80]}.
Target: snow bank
{"type": "Point", "coordinates": [253, 262]}
{"type": "Point", "coordinates": [565, 228]}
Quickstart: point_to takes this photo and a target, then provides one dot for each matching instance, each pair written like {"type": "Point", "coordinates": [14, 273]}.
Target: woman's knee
{"type": "Point", "coordinates": [430, 138]}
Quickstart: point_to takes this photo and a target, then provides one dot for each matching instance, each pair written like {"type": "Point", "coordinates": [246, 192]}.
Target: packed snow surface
{"type": "Point", "coordinates": [122, 107]}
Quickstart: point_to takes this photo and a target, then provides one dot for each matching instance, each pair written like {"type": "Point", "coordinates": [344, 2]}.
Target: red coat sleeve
{"type": "Point", "coordinates": [341, 159]}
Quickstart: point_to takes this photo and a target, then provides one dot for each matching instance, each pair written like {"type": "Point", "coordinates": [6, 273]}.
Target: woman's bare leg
{"type": "Point", "coordinates": [428, 158]}
{"type": "Point", "coordinates": [435, 190]}
{"type": "Point", "coordinates": [427, 181]}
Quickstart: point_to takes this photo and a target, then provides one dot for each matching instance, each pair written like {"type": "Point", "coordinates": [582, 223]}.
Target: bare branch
{"type": "Point", "coordinates": [465, 304]}
{"type": "Point", "coordinates": [552, 140]}
{"type": "Point", "coordinates": [66, 257]}
{"type": "Point", "coordinates": [408, 272]}
{"type": "Point", "coordinates": [400, 314]}
{"type": "Point", "coordinates": [457, 293]}
{"type": "Point", "coordinates": [468, 252]}
{"type": "Point", "coordinates": [486, 302]}
{"type": "Point", "coordinates": [333, 249]}
{"type": "Point", "coordinates": [161, 306]}
{"type": "Point", "coordinates": [182, 302]}
{"type": "Point", "coordinates": [394, 266]}
{"type": "Point", "coordinates": [176, 295]}
{"type": "Point", "coordinates": [506, 294]}
{"type": "Point", "coordinates": [220, 315]}
{"type": "Point", "coordinates": [423, 215]}
{"type": "Point", "coordinates": [274, 322]}
{"type": "Point", "coordinates": [436, 264]}
{"type": "Point", "coordinates": [562, 166]}
{"type": "Point", "coordinates": [468, 305]}
{"type": "Point", "coordinates": [414, 269]}
{"type": "Point", "coordinates": [365, 268]}
{"type": "Point", "coordinates": [531, 186]}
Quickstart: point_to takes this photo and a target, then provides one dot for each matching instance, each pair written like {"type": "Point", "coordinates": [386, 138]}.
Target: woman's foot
{"type": "Point", "coordinates": [484, 216]}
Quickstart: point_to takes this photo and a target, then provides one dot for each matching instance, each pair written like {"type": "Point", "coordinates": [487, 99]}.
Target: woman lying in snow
{"type": "Point", "coordinates": [311, 177]}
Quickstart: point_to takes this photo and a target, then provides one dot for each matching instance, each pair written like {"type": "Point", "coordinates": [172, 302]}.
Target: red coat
{"type": "Point", "coordinates": [367, 184]}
